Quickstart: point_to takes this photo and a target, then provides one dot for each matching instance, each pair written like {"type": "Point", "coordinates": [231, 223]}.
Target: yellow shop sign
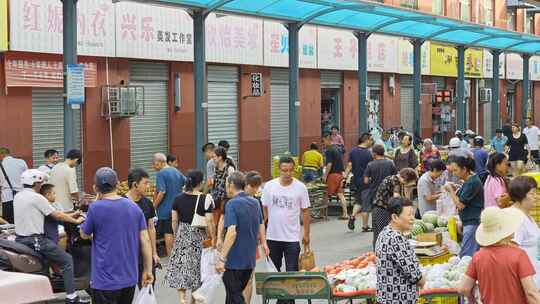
{"type": "Point", "coordinates": [444, 61]}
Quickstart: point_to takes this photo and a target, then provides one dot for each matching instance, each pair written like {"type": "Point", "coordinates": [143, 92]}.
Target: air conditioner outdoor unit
{"type": "Point", "coordinates": [485, 95]}
{"type": "Point", "coordinates": [122, 101]}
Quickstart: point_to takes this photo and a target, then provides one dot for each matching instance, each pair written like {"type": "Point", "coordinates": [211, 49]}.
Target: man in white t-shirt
{"type": "Point", "coordinates": [51, 159]}
{"type": "Point", "coordinates": [11, 170]}
{"type": "Point", "coordinates": [284, 199]}
{"type": "Point", "coordinates": [64, 178]}
{"type": "Point", "coordinates": [532, 132]}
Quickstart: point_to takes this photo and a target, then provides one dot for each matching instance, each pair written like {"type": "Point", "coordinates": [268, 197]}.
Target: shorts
{"type": "Point", "coordinates": [334, 183]}
{"type": "Point", "coordinates": [363, 199]}
{"type": "Point", "coordinates": [164, 226]}
{"type": "Point", "coordinates": [535, 155]}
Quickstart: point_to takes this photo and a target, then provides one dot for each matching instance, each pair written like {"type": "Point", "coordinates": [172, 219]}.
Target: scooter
{"type": "Point", "coordinates": [17, 257]}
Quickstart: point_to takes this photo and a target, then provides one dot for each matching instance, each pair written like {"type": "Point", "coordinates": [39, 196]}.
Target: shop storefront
{"type": "Point", "coordinates": [331, 103]}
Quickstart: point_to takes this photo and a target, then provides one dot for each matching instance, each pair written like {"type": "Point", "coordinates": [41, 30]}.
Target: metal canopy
{"type": "Point", "coordinates": [373, 17]}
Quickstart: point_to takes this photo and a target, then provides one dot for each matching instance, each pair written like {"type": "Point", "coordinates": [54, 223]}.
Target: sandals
{"type": "Point", "coordinates": [367, 229]}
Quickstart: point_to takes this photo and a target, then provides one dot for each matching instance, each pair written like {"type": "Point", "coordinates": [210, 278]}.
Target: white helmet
{"type": "Point", "coordinates": [454, 143]}
{"type": "Point", "coordinates": [32, 176]}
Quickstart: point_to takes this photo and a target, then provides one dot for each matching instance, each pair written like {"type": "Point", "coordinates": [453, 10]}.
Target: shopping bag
{"type": "Point", "coordinates": [270, 267]}
{"type": "Point", "coordinates": [530, 166]}
{"type": "Point", "coordinates": [146, 296]}
{"type": "Point", "coordinates": [307, 259]}
{"type": "Point", "coordinates": [209, 259]}
{"type": "Point", "coordinates": [207, 292]}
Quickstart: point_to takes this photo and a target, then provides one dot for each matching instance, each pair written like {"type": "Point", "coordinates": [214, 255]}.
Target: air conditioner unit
{"type": "Point", "coordinates": [122, 101]}
{"type": "Point", "coordinates": [485, 95]}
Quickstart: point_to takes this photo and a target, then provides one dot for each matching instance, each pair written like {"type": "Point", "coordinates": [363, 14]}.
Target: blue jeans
{"type": "Point", "coordinates": [52, 253]}
{"type": "Point", "coordinates": [309, 175]}
{"type": "Point", "coordinates": [291, 252]}
{"type": "Point", "coordinates": [469, 246]}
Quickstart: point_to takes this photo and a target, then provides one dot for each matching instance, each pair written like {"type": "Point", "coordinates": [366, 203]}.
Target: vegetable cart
{"type": "Point", "coordinates": [293, 285]}
{"type": "Point", "coordinates": [368, 295]}
{"type": "Point", "coordinates": [439, 296]}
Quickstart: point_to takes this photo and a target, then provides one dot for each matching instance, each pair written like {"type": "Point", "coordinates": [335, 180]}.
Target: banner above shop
{"type": "Point", "coordinates": [37, 26]}
{"type": "Point", "coordinates": [444, 61]}
{"type": "Point", "coordinates": [276, 45]}
{"type": "Point", "coordinates": [382, 54]}
{"type": "Point", "coordinates": [514, 66]}
{"type": "Point", "coordinates": [234, 39]}
{"type": "Point", "coordinates": [31, 70]}
{"type": "Point", "coordinates": [3, 26]}
{"type": "Point", "coordinates": [153, 32]}
{"type": "Point", "coordinates": [336, 49]}
{"type": "Point", "coordinates": [406, 57]}
{"type": "Point", "coordinates": [488, 65]}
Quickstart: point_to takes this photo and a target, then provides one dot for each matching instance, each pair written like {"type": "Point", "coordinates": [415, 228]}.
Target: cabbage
{"type": "Point", "coordinates": [430, 217]}
{"type": "Point", "coordinates": [429, 227]}
{"type": "Point", "coordinates": [442, 221]}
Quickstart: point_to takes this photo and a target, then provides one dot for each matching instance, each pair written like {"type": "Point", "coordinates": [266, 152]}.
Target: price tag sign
{"type": "Point", "coordinates": [75, 84]}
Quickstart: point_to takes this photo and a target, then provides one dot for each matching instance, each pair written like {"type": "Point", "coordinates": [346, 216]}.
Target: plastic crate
{"type": "Point", "coordinates": [441, 259]}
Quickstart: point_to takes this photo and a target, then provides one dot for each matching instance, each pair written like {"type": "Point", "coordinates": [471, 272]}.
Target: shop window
{"type": "Point", "coordinates": [330, 108]}
{"type": "Point", "coordinates": [437, 7]}
{"type": "Point", "coordinates": [529, 23]}
{"type": "Point", "coordinates": [487, 15]}
{"type": "Point", "coordinates": [409, 4]}
{"type": "Point", "coordinates": [511, 19]}
{"type": "Point", "coordinates": [465, 10]}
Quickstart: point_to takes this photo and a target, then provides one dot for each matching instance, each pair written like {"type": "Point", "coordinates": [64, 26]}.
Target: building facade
{"type": "Point", "coordinates": [152, 47]}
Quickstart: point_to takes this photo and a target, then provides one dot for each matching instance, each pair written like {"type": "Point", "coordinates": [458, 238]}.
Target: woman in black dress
{"type": "Point", "coordinates": [518, 151]}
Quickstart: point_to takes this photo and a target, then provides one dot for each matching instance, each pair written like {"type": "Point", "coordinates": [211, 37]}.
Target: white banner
{"type": "Point", "coordinates": [37, 26]}
{"type": "Point", "coordinates": [382, 54]}
{"type": "Point", "coordinates": [276, 45]}
{"type": "Point", "coordinates": [153, 32]}
{"type": "Point", "coordinates": [336, 49]}
{"type": "Point", "coordinates": [488, 65]}
{"type": "Point", "coordinates": [534, 68]}
{"type": "Point", "coordinates": [514, 66]}
{"type": "Point", "coordinates": [234, 39]}
{"type": "Point", "coordinates": [406, 57]}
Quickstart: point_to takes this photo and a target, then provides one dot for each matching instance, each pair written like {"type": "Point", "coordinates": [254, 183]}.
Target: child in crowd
{"type": "Point", "coordinates": [53, 230]}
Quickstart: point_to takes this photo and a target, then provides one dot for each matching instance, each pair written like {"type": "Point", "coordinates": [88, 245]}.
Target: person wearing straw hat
{"type": "Point", "coordinates": [503, 270]}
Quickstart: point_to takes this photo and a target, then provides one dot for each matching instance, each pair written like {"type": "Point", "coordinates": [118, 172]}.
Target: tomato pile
{"type": "Point", "coordinates": [357, 263]}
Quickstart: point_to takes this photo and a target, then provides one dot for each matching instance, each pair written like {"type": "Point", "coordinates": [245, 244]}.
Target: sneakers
{"type": "Point", "coordinates": [350, 224]}
{"type": "Point", "coordinates": [77, 300]}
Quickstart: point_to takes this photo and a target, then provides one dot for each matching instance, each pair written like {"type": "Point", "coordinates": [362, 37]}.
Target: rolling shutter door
{"type": "Point", "coordinates": [223, 107]}
{"type": "Point", "coordinates": [374, 80]}
{"type": "Point", "coordinates": [331, 79]}
{"type": "Point", "coordinates": [48, 126]}
{"type": "Point", "coordinates": [150, 132]}
{"type": "Point", "coordinates": [407, 102]}
{"type": "Point", "coordinates": [279, 93]}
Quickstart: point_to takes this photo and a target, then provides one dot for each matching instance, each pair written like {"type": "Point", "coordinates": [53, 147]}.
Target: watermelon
{"type": "Point", "coordinates": [430, 217]}
{"type": "Point", "coordinates": [442, 221]}
{"type": "Point", "coordinates": [430, 227]}
{"type": "Point", "coordinates": [417, 229]}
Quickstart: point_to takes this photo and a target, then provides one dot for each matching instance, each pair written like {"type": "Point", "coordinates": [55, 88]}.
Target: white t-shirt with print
{"type": "Point", "coordinates": [532, 136]}
{"type": "Point", "coordinates": [527, 237]}
{"type": "Point", "coordinates": [284, 208]}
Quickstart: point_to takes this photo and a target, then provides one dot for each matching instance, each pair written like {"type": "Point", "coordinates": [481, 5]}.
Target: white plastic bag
{"type": "Point", "coordinates": [146, 296]}
{"type": "Point", "coordinates": [446, 206]}
{"type": "Point", "coordinates": [209, 259]}
{"type": "Point", "coordinates": [270, 267]}
{"type": "Point", "coordinates": [207, 292]}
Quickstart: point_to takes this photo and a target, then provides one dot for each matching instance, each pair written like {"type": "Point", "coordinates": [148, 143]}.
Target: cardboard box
{"type": "Point", "coordinates": [435, 237]}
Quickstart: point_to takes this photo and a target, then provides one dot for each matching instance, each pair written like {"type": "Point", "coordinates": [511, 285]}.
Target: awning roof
{"type": "Point", "coordinates": [373, 17]}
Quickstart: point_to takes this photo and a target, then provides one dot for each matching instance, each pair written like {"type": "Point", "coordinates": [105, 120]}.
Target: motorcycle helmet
{"type": "Point", "coordinates": [32, 176]}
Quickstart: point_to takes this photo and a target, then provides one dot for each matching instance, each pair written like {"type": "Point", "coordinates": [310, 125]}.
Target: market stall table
{"type": "Point", "coordinates": [18, 288]}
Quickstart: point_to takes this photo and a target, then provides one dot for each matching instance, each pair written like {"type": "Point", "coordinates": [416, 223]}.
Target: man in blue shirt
{"type": "Point", "coordinates": [244, 224]}
{"type": "Point", "coordinates": [169, 184]}
{"type": "Point", "coordinates": [499, 141]}
{"type": "Point", "coordinates": [119, 234]}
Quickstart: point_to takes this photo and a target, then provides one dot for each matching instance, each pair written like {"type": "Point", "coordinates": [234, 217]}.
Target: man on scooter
{"type": "Point", "coordinates": [30, 210]}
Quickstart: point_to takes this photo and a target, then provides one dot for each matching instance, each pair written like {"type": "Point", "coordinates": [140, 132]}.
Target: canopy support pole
{"type": "Point", "coordinates": [460, 101]}
{"type": "Point", "coordinates": [199, 70]}
{"type": "Point", "coordinates": [69, 9]}
{"type": "Point", "coordinates": [495, 100]}
{"type": "Point", "coordinates": [417, 78]}
{"type": "Point", "coordinates": [294, 102]}
{"type": "Point", "coordinates": [526, 89]}
{"type": "Point", "coordinates": [362, 80]}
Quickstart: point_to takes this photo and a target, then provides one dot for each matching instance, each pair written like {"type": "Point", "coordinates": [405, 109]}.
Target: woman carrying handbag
{"type": "Point", "coordinates": [192, 222]}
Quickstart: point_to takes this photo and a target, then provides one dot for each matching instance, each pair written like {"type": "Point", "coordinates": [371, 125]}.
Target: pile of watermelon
{"type": "Point", "coordinates": [430, 222]}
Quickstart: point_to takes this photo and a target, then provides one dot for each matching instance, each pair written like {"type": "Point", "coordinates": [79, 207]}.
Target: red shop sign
{"type": "Point", "coordinates": [24, 70]}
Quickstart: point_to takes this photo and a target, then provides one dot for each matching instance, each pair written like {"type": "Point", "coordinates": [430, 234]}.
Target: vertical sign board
{"type": "Point", "coordinates": [256, 84]}
{"type": "Point", "coordinates": [75, 84]}
{"type": "Point", "coordinates": [3, 26]}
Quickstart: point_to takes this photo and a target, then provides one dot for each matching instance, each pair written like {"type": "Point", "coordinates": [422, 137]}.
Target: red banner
{"type": "Point", "coordinates": [25, 70]}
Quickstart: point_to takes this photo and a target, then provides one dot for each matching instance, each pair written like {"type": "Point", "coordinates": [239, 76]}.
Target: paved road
{"type": "Point", "coordinates": [332, 242]}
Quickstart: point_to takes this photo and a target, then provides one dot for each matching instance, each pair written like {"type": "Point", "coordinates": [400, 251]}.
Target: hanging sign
{"type": "Point", "coordinates": [444, 61]}
{"type": "Point", "coordinates": [256, 84]}
{"type": "Point", "coordinates": [37, 26]}
{"type": "Point", "coordinates": [406, 57]}
{"type": "Point", "coordinates": [488, 65]}
{"type": "Point", "coordinates": [276, 45]}
{"type": "Point", "coordinates": [75, 84]}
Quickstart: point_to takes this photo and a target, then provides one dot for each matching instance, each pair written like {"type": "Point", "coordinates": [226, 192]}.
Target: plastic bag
{"type": "Point", "coordinates": [207, 292]}
{"type": "Point", "coordinates": [307, 259]}
{"type": "Point", "coordinates": [453, 246]}
{"type": "Point", "coordinates": [209, 259]}
{"type": "Point", "coordinates": [146, 296]}
{"type": "Point", "coordinates": [445, 206]}
{"type": "Point", "coordinates": [270, 267]}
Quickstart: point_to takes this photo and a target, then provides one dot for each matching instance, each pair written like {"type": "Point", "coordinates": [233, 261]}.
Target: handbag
{"type": "Point", "coordinates": [198, 220]}
{"type": "Point", "coordinates": [307, 259]}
